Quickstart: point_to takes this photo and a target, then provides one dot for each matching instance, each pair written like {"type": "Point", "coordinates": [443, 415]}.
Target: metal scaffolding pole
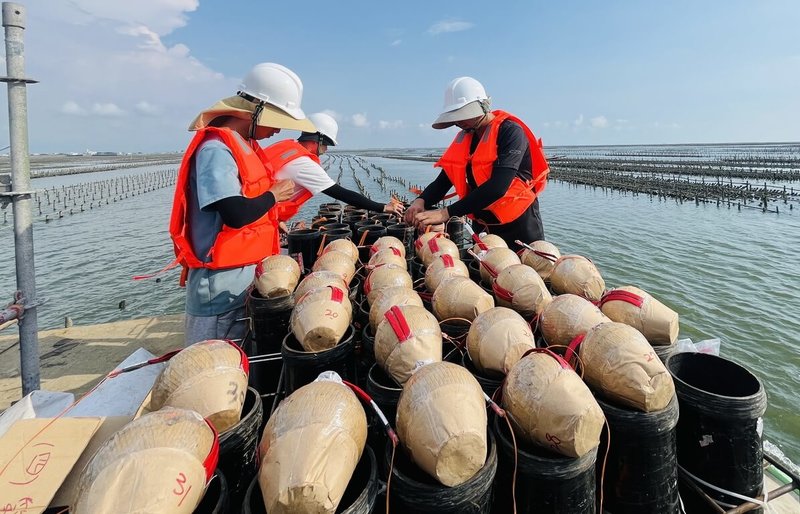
{"type": "Point", "coordinates": [21, 194]}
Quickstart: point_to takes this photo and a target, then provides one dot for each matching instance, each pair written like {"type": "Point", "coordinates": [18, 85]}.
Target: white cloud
{"type": "Point", "coordinates": [395, 124]}
{"type": "Point", "coordinates": [359, 119]}
{"type": "Point", "coordinates": [599, 122]}
{"type": "Point", "coordinates": [396, 42]}
{"type": "Point", "coordinates": [73, 109]}
{"type": "Point", "coordinates": [578, 121]}
{"type": "Point", "coordinates": [146, 108]}
{"type": "Point", "coordinates": [444, 26]}
{"type": "Point", "coordinates": [546, 124]}
{"type": "Point", "coordinates": [117, 58]}
{"type": "Point", "coordinates": [107, 109]}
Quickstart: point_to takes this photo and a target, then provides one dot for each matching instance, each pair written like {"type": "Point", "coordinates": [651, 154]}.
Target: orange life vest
{"type": "Point", "coordinates": [233, 247]}
{"type": "Point", "coordinates": [521, 194]}
{"type": "Point", "coordinates": [277, 156]}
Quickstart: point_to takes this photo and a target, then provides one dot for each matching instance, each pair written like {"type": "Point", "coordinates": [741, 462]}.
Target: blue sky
{"type": "Point", "coordinates": [129, 76]}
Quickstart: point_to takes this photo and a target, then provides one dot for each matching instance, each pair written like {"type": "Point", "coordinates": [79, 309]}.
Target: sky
{"type": "Point", "coordinates": [126, 75]}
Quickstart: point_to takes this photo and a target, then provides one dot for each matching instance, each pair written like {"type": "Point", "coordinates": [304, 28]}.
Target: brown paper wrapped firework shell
{"type": "Point", "coordinates": [277, 275]}
{"type": "Point", "coordinates": [441, 421]}
{"type": "Point", "coordinates": [620, 364]}
{"type": "Point", "coordinates": [438, 246]}
{"type": "Point", "coordinates": [159, 463]}
{"type": "Point", "coordinates": [345, 246]}
{"type": "Point", "coordinates": [575, 274]}
{"type": "Point", "coordinates": [318, 279]}
{"type": "Point", "coordinates": [422, 241]}
{"type": "Point", "coordinates": [460, 297]}
{"type": "Point", "coordinates": [388, 256]}
{"type": "Point", "coordinates": [338, 262]}
{"type": "Point", "coordinates": [386, 276]}
{"type": "Point", "coordinates": [387, 242]}
{"type": "Point", "coordinates": [497, 339]}
{"type": "Point", "coordinates": [567, 317]}
{"type": "Point", "coordinates": [490, 241]}
{"type": "Point", "coordinates": [522, 289]}
{"type": "Point", "coordinates": [406, 336]}
{"type": "Point", "coordinates": [387, 298]}
{"type": "Point", "coordinates": [201, 378]}
{"type": "Point", "coordinates": [551, 406]}
{"type": "Point", "coordinates": [497, 259]}
{"type": "Point", "coordinates": [310, 447]}
{"type": "Point", "coordinates": [321, 317]}
{"type": "Point", "coordinates": [542, 262]}
{"type": "Point", "coordinates": [442, 268]}
{"type": "Point", "coordinates": [637, 308]}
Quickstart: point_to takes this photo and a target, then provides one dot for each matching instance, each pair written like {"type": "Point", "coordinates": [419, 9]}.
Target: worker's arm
{"type": "Point", "coordinates": [486, 194]}
{"type": "Point", "coordinates": [353, 198]}
{"type": "Point", "coordinates": [436, 190]}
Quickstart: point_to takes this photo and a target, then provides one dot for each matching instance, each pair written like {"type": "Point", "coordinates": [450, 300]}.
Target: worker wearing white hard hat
{"type": "Point", "coordinates": [299, 162]}
{"type": "Point", "coordinates": [495, 163]}
{"type": "Point", "coordinates": [223, 192]}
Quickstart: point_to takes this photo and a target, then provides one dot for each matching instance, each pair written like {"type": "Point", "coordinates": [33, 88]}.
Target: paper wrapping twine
{"type": "Point", "coordinates": [497, 339]}
{"type": "Point", "coordinates": [320, 318]}
{"type": "Point", "coordinates": [441, 421]}
{"type": "Point", "coordinates": [155, 464]}
{"type": "Point", "coordinates": [310, 448]}
{"type": "Point", "coordinates": [208, 377]}
{"type": "Point", "coordinates": [277, 275]}
{"type": "Point", "coordinates": [406, 337]}
{"type": "Point", "coordinates": [551, 406]}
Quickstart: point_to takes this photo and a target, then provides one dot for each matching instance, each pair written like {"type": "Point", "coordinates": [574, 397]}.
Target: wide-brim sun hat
{"type": "Point", "coordinates": [466, 112]}
{"type": "Point", "coordinates": [239, 107]}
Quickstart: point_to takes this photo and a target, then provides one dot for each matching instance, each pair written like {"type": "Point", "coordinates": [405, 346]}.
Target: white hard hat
{"type": "Point", "coordinates": [326, 125]}
{"type": "Point", "coordinates": [464, 99]}
{"type": "Point", "coordinates": [276, 85]}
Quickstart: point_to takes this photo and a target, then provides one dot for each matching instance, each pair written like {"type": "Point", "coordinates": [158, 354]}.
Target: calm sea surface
{"type": "Point", "coordinates": [730, 275]}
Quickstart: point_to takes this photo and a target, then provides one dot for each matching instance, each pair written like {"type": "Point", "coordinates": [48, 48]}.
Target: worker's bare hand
{"type": "Point", "coordinates": [434, 217]}
{"type": "Point", "coordinates": [394, 207]}
{"type": "Point", "coordinates": [416, 207]}
{"type": "Point", "coordinates": [282, 190]}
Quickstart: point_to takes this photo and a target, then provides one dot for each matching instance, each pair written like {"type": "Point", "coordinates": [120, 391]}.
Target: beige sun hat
{"type": "Point", "coordinates": [239, 107]}
{"type": "Point", "coordinates": [272, 90]}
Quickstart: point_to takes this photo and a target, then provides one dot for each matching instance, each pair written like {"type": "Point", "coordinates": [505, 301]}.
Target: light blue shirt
{"type": "Point", "coordinates": [214, 176]}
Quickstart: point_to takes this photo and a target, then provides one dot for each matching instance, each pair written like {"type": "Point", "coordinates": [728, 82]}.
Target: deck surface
{"type": "Point", "coordinates": [74, 359]}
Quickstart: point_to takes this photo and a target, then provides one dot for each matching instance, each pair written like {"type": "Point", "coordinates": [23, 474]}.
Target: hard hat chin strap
{"type": "Point", "coordinates": [254, 120]}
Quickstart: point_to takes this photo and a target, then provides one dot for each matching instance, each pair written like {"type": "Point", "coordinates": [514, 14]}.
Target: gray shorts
{"type": "Point", "coordinates": [222, 326]}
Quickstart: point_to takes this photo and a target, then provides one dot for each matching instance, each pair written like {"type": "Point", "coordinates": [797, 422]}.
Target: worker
{"type": "Point", "coordinates": [223, 220]}
{"type": "Point", "coordinates": [299, 161]}
{"type": "Point", "coordinates": [495, 163]}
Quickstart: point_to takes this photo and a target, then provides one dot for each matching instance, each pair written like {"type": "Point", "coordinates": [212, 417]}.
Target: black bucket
{"type": "Point", "coordinates": [265, 374]}
{"type": "Point", "coordinates": [719, 430]}
{"type": "Point", "coordinates": [404, 233]}
{"type": "Point", "coordinates": [373, 233]}
{"type": "Point", "coordinates": [547, 483]}
{"type": "Point", "coordinates": [215, 499]}
{"type": "Point", "coordinates": [488, 384]}
{"type": "Point", "coordinates": [306, 242]}
{"type": "Point", "coordinates": [238, 447]}
{"type": "Point", "coordinates": [332, 207]}
{"type": "Point", "coordinates": [352, 220]}
{"type": "Point", "coordinates": [641, 471]}
{"type": "Point", "coordinates": [333, 226]}
{"type": "Point", "coordinates": [412, 490]}
{"type": "Point", "coordinates": [416, 268]}
{"type": "Point", "coordinates": [338, 233]}
{"type": "Point", "coordinates": [385, 392]}
{"type": "Point", "coordinates": [365, 352]}
{"type": "Point", "coordinates": [269, 319]}
{"type": "Point", "coordinates": [456, 232]}
{"type": "Point", "coordinates": [359, 497]}
{"type": "Point", "coordinates": [385, 219]}
{"type": "Point", "coordinates": [456, 329]}
{"type": "Point", "coordinates": [474, 267]}
{"type": "Point", "coordinates": [301, 367]}
{"type": "Point", "coordinates": [353, 210]}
